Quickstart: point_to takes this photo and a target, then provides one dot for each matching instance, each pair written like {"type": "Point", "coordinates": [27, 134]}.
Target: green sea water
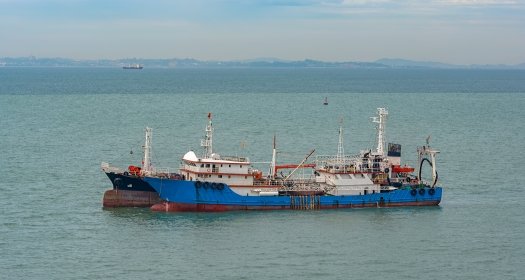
{"type": "Point", "coordinates": [58, 124]}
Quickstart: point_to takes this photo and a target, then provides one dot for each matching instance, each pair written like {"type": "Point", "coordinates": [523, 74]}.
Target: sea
{"type": "Point", "coordinates": [58, 124]}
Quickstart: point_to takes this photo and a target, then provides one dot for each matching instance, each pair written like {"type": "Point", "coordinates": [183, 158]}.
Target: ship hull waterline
{"type": "Point", "coordinates": [184, 196]}
{"type": "Point", "coordinates": [129, 191]}
{"type": "Point", "coordinates": [124, 198]}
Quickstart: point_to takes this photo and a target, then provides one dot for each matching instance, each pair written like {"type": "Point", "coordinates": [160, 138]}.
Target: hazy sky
{"type": "Point", "coordinates": [453, 31]}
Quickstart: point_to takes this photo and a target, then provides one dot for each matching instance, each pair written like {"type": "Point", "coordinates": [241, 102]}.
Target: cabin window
{"type": "Point", "coordinates": [220, 176]}
{"type": "Point", "coordinates": [229, 176]}
{"type": "Point", "coordinates": [221, 165]}
{"type": "Point", "coordinates": [245, 177]}
{"type": "Point", "coordinates": [207, 165]}
{"type": "Point", "coordinates": [240, 166]}
{"type": "Point", "coordinates": [229, 165]}
{"type": "Point", "coordinates": [202, 165]}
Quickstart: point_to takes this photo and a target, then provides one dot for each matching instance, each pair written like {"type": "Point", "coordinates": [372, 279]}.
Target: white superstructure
{"type": "Point", "coordinates": [353, 175]}
{"type": "Point", "coordinates": [234, 171]}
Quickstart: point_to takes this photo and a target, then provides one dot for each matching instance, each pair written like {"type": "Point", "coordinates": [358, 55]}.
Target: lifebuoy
{"type": "Point", "coordinates": [213, 185]}
{"type": "Point", "coordinates": [126, 173]}
{"type": "Point", "coordinates": [408, 179]}
{"type": "Point", "coordinates": [413, 192]}
{"type": "Point", "coordinates": [432, 191]}
{"type": "Point", "coordinates": [422, 191]}
{"type": "Point", "coordinates": [387, 170]}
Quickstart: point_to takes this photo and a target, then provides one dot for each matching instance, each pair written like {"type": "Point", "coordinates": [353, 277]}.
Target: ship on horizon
{"type": "Point", "coordinates": [133, 66]}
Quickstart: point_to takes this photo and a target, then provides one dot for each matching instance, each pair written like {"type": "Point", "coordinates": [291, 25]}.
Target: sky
{"type": "Point", "coordinates": [449, 31]}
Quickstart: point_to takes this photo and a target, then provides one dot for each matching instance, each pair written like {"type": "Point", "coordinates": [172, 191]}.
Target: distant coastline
{"type": "Point", "coordinates": [385, 63]}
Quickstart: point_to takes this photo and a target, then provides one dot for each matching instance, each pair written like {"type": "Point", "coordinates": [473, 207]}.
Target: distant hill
{"type": "Point", "coordinates": [385, 63]}
{"type": "Point", "coordinates": [405, 63]}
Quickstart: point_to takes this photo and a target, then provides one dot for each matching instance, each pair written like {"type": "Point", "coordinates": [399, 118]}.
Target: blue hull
{"type": "Point", "coordinates": [179, 195]}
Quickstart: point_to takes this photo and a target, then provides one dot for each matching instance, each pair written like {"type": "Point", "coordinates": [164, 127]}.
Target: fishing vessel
{"type": "Point", "coordinates": [129, 188]}
{"type": "Point", "coordinates": [372, 178]}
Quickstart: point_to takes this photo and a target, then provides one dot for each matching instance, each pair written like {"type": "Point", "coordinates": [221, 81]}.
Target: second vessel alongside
{"type": "Point", "coordinates": [129, 188]}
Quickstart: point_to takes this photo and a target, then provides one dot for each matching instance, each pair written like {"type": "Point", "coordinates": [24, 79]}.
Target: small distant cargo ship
{"type": "Point", "coordinates": [133, 66]}
{"type": "Point", "coordinates": [372, 178]}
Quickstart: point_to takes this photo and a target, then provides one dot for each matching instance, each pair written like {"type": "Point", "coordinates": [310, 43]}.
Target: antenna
{"type": "Point", "coordinates": [207, 142]}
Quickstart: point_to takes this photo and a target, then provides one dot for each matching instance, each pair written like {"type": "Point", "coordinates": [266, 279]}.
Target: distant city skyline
{"type": "Point", "coordinates": [448, 31]}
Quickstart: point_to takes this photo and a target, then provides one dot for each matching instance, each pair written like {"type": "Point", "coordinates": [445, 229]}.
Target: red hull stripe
{"type": "Point", "coordinates": [187, 207]}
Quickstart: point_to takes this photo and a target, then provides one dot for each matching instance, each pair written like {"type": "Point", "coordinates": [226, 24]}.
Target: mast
{"type": "Point", "coordinates": [274, 158]}
{"type": "Point", "coordinates": [381, 122]}
{"type": "Point", "coordinates": [340, 148]}
{"type": "Point", "coordinates": [146, 161]}
{"type": "Point", "coordinates": [207, 142]}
